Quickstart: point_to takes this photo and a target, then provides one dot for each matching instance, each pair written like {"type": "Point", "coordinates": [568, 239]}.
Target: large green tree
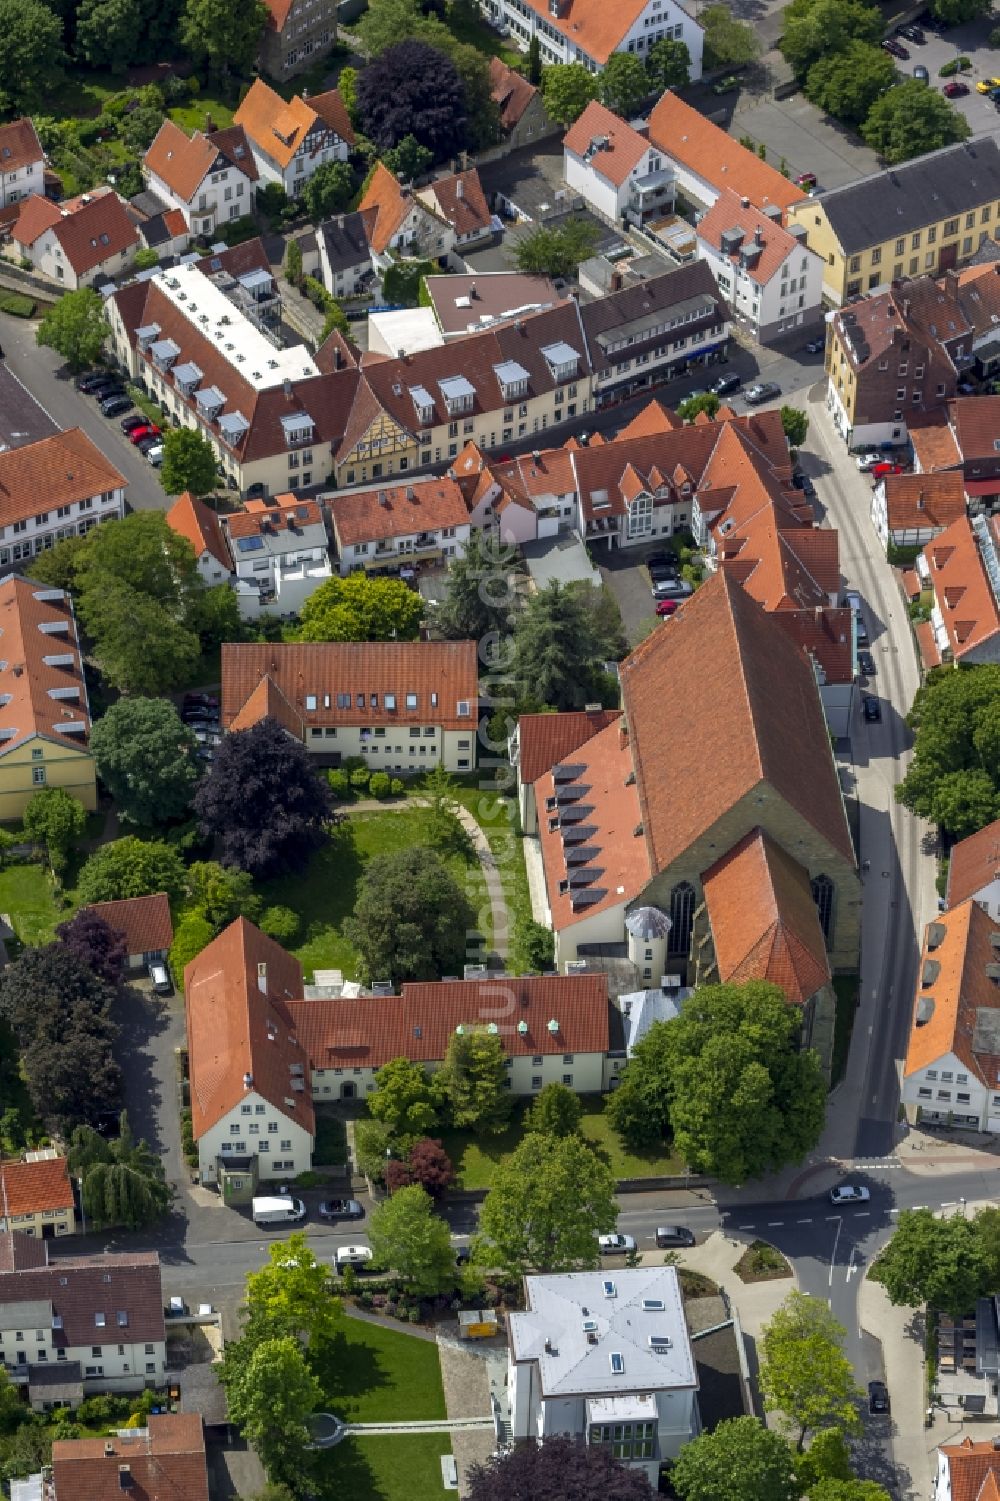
{"type": "Point", "coordinates": [548, 251]}
{"type": "Point", "coordinates": [624, 83]}
{"type": "Point", "coordinates": [473, 1078]}
{"type": "Point", "coordinates": [567, 89]}
{"type": "Point", "coordinates": [412, 920]}
{"type": "Point", "coordinates": [220, 894]}
{"type": "Point", "coordinates": [558, 1469]}
{"type": "Point", "coordinates": [31, 55]}
{"type": "Point", "coordinates": [561, 646]}
{"type": "Point", "coordinates": [144, 755]}
{"type": "Point", "coordinates": [123, 1182]}
{"type": "Point", "coordinates": [329, 190]}
{"type": "Point", "coordinates": [958, 12]}
{"type": "Point", "coordinates": [75, 326]}
{"type": "Point", "coordinates": [131, 867]}
{"type": "Point", "coordinates": [359, 608]}
{"type": "Point", "coordinates": [819, 28]}
{"type": "Point", "coordinates": [910, 120]}
{"type": "Point", "coordinates": [954, 774]}
{"type": "Point", "coordinates": [226, 39]}
{"type": "Point", "coordinates": [415, 1243]}
{"type": "Point", "coordinates": [740, 1460]}
{"type": "Point", "coordinates": [555, 1111]}
{"type": "Point", "coordinates": [942, 1262]}
{"type": "Point", "coordinates": [668, 64]}
{"type": "Point", "coordinates": [848, 1490]}
{"type": "Point", "coordinates": [405, 1098]}
{"type": "Point", "coordinates": [728, 43]}
{"type": "Point", "coordinates": [188, 462]}
{"type": "Point", "coordinates": [57, 820]}
{"type": "Point", "coordinates": [479, 599]}
{"type": "Point", "coordinates": [290, 1296]}
{"type": "Point", "coordinates": [804, 1373]}
{"type": "Point", "coordinates": [111, 33]}
{"type": "Point", "coordinates": [549, 1202]}
{"type": "Point", "coordinates": [846, 84]}
{"type": "Point", "coordinates": [271, 1393]}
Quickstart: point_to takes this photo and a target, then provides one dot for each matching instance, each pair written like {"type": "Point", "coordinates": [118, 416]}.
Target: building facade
{"type": "Point", "coordinates": [145, 924]}
{"type": "Point", "coordinates": [210, 179]}
{"type": "Point", "coordinates": [79, 241]}
{"type": "Point", "coordinates": [771, 280]}
{"type": "Point", "coordinates": [297, 35]}
{"type": "Point", "coordinates": [587, 32]}
{"type": "Point", "coordinates": [291, 140]}
{"type": "Point", "coordinates": [22, 162]}
{"type": "Point", "coordinates": [36, 1196]}
{"type": "Point", "coordinates": [400, 524]}
{"type": "Point", "coordinates": [619, 173]}
{"type": "Point", "coordinates": [280, 552]}
{"type": "Point", "coordinates": [54, 488]}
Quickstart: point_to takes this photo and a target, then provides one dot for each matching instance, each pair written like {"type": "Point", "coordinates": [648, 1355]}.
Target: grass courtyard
{"type": "Point", "coordinates": [27, 896]}
{"type": "Point", "coordinates": [397, 1468]}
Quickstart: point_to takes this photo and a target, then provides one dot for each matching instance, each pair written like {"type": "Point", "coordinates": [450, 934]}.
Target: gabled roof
{"type": "Point", "coordinates": [91, 229]}
{"type": "Point", "coordinates": [970, 1465]}
{"type": "Point", "coordinates": [386, 204]}
{"type": "Point", "coordinates": [64, 468]}
{"type": "Point", "coordinates": [957, 1005]}
{"type": "Point", "coordinates": [179, 160]}
{"type": "Point", "coordinates": [924, 500]}
{"type": "Point", "coordinates": [39, 696]}
{"type": "Point", "coordinates": [165, 1461]}
{"type": "Point", "coordinates": [346, 242]}
{"type": "Point", "coordinates": [934, 445]}
{"type": "Point", "coordinates": [418, 1024]}
{"type": "Point", "coordinates": [459, 200]}
{"type": "Point", "coordinates": [101, 1292]}
{"type": "Point", "coordinates": [236, 993]}
{"type": "Point", "coordinates": [397, 510]}
{"type": "Point", "coordinates": [276, 127]}
{"type": "Point", "coordinates": [19, 145]}
{"type": "Point", "coordinates": [976, 423]}
{"type": "Point", "coordinates": [687, 137]}
{"type": "Point", "coordinates": [594, 26]}
{"type": "Point", "coordinates": [289, 514]}
{"type": "Point", "coordinates": [776, 243]}
{"type": "Point", "coordinates": [32, 1187]}
{"type": "Point", "coordinates": [191, 518]}
{"type": "Point", "coordinates": [268, 702]}
{"type": "Point", "coordinates": [511, 92]}
{"type": "Point", "coordinates": [700, 692]}
{"type": "Point", "coordinates": [625, 148]}
{"type": "Point", "coordinates": [969, 609]}
{"type": "Point", "coordinates": [144, 921]}
{"type": "Point", "coordinates": [333, 112]}
{"type": "Point", "coordinates": [544, 739]}
{"type": "Point", "coordinates": [278, 13]}
{"type": "Point", "coordinates": [650, 421]}
{"type": "Point", "coordinates": [641, 312]}
{"type": "Point", "coordinates": [974, 863]}
{"type": "Point", "coordinates": [765, 924]}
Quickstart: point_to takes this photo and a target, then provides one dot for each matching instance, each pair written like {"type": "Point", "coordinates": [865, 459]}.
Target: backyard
{"type": "Point", "coordinates": [28, 899]}
{"type": "Point", "coordinates": [389, 1468]}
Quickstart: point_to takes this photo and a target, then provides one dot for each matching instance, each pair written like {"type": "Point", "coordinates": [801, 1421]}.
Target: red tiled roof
{"type": "Point", "coordinates": [545, 739]}
{"type": "Point", "coordinates": [707, 726]}
{"type": "Point", "coordinates": [824, 635]}
{"type": "Point", "coordinates": [650, 421]}
{"type": "Point", "coordinates": [958, 946]}
{"type": "Point", "coordinates": [31, 1187]}
{"type": "Point", "coordinates": [765, 925]}
{"type": "Point", "coordinates": [962, 588]}
{"type": "Point", "coordinates": [179, 160]}
{"type": "Point", "coordinates": [284, 513]}
{"type": "Point", "coordinates": [90, 233]}
{"type": "Point", "coordinates": [27, 707]}
{"type": "Point", "coordinates": [235, 1027]}
{"type": "Point", "coordinates": [974, 863]}
{"type": "Point", "coordinates": [369, 1031]}
{"type": "Point", "coordinates": [19, 1251]}
{"type": "Point", "coordinates": [333, 112]}
{"type": "Point", "coordinates": [777, 244]}
{"type": "Point", "coordinates": [397, 510]}
{"type": "Point", "coordinates": [594, 26]}
{"type": "Point", "coordinates": [686, 136]}
{"type": "Point", "coordinates": [34, 216]}
{"type": "Point", "coordinates": [460, 200]}
{"type": "Point", "coordinates": [19, 145]}
{"type": "Point", "coordinates": [174, 223]}
{"type": "Point", "coordinates": [81, 1287]}
{"type": "Point", "coordinates": [165, 1462]}
{"type": "Point", "coordinates": [64, 468]}
{"type": "Point", "coordinates": [930, 656]}
{"type": "Point", "coordinates": [970, 1464]}
{"type": "Point", "coordinates": [439, 674]}
{"type": "Point", "coordinates": [511, 92]}
{"type": "Point", "coordinates": [277, 126]}
{"type": "Point", "coordinates": [144, 921]}
{"type": "Point", "coordinates": [385, 198]}
{"type": "Point", "coordinates": [268, 702]}
{"type": "Point", "coordinates": [191, 518]}
{"type": "Point", "coordinates": [626, 148]}
{"type": "Point", "coordinates": [975, 421]}
{"type": "Point", "coordinates": [934, 445]}
{"type": "Point", "coordinates": [924, 500]}
{"type": "Point", "coordinates": [278, 13]}
{"type": "Point", "coordinates": [550, 474]}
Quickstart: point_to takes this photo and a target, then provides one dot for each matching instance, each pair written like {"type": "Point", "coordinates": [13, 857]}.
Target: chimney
{"type": "Point", "coordinates": [474, 294]}
{"type": "Point", "coordinates": [287, 386]}
{"type": "Point", "coordinates": [622, 736]}
{"type": "Point", "coordinates": [745, 202]}
{"type": "Point", "coordinates": [337, 357]}
{"type": "Point", "coordinates": [262, 978]}
{"type": "Point", "coordinates": [109, 1448]}
{"type": "Point", "coordinates": [616, 281]}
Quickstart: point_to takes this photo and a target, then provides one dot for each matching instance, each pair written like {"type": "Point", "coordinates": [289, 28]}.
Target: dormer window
{"type": "Point", "coordinates": [458, 393]}
{"type": "Point", "coordinates": [187, 377]}
{"type": "Point", "coordinates": [298, 428]}
{"type": "Point", "coordinates": [145, 335]}
{"type": "Point", "coordinates": [562, 359]}
{"type": "Point", "coordinates": [423, 404]}
{"type": "Point", "coordinates": [163, 352]}
{"type": "Point", "coordinates": [512, 379]}
{"type": "Point", "coordinates": [209, 401]}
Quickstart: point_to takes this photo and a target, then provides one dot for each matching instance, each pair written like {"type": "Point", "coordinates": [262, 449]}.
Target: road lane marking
{"type": "Point", "coordinates": [831, 1217]}
{"type": "Point", "coordinates": [862, 1214]}
{"type": "Point", "coordinates": [803, 1222]}
{"type": "Point", "coordinates": [833, 1253]}
{"type": "Point", "coordinates": [949, 1204]}
{"type": "Point", "coordinates": [744, 1227]}
{"type": "Point", "coordinates": [772, 1223]}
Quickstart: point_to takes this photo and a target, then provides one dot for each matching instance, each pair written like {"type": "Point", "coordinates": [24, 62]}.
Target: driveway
{"type": "Point", "coordinates": [626, 576]}
{"type": "Point", "coordinates": [970, 41]}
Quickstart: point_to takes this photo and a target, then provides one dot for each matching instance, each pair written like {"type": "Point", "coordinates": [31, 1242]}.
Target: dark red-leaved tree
{"type": "Point", "coordinates": [430, 1165]}
{"type": "Point", "coordinates": [413, 89]}
{"type": "Point", "coordinates": [101, 948]}
{"type": "Point", "coordinates": [559, 1470]}
{"type": "Point", "coordinates": [397, 1175]}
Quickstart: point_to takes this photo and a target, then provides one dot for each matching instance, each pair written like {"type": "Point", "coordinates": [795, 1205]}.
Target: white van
{"type": "Point", "coordinates": [269, 1210]}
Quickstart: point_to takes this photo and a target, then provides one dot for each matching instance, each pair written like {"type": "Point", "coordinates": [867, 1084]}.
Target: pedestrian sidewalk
{"type": "Point", "coordinates": [900, 1332]}
{"type": "Point", "coordinates": [926, 1152]}
{"type": "Point", "coordinates": [755, 1302]}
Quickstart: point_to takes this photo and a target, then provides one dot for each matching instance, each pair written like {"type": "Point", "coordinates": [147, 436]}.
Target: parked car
{"type": "Point", "coordinates": [610, 1244]}
{"type": "Point", "coordinates": [136, 419]}
{"type": "Point", "coordinates": [987, 85]}
{"type": "Point", "coordinates": [866, 663]}
{"type": "Point", "coordinates": [148, 441]}
{"type": "Point", "coordinates": [160, 978]}
{"type": "Point", "coordinates": [90, 379]}
{"type": "Point", "coordinates": [878, 1397]}
{"type": "Point", "coordinates": [658, 572]}
{"type": "Point", "coordinates": [765, 390]}
{"type": "Point", "coordinates": [872, 708]}
{"type": "Point", "coordinates": [955, 88]}
{"type": "Point", "coordinates": [673, 1235]}
{"type": "Point", "coordinates": [894, 48]}
{"type": "Point", "coordinates": [154, 453]}
{"type": "Point", "coordinates": [340, 1209]}
{"type": "Point", "coordinates": [672, 589]}
{"type": "Point", "coordinates": [921, 73]}
{"type": "Point", "coordinates": [107, 389]}
{"type": "Point", "coordinates": [867, 460]}
{"type": "Point", "coordinates": [882, 468]}
{"type": "Point", "coordinates": [816, 346]}
{"type": "Point", "coordinates": [808, 488]}
{"type": "Point", "coordinates": [144, 430]}
{"type": "Point", "coordinates": [115, 404]}
{"type": "Point", "coordinates": [201, 701]}
{"type": "Point", "coordinates": [912, 34]}
{"type": "Point", "coordinates": [352, 1256]}
{"type": "Point", "coordinates": [207, 734]}
{"type": "Point", "coordinates": [726, 384]}
{"type": "Point", "coordinates": [849, 1193]}
{"type": "Point", "coordinates": [666, 606]}
{"type": "Point", "coordinates": [726, 85]}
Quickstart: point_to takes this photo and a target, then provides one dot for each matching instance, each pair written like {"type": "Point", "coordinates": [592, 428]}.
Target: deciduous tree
{"type": "Point", "coordinates": [405, 1098]}
{"type": "Point", "coordinates": [56, 820]}
{"type": "Point", "coordinates": [567, 89]}
{"type": "Point", "coordinates": [479, 600]}
{"type": "Point", "coordinates": [549, 1201]}
{"type": "Point", "coordinates": [413, 89]}
{"type": "Point", "coordinates": [706, 402]}
{"type": "Point", "coordinates": [144, 756]}
{"type": "Point", "coordinates": [544, 251]}
{"type": "Point", "coordinates": [804, 1373]}
{"type": "Point", "coordinates": [263, 800]}
{"type": "Point", "coordinates": [123, 1182]}
{"type": "Point", "coordinates": [819, 28]}
{"type": "Point", "coordinates": [533, 61]}
{"type": "Point", "coordinates": [958, 12]}
{"type": "Point", "coordinates": [944, 1263]}
{"type": "Point", "coordinates": [131, 867]}
{"type": "Point", "coordinates": [290, 1296]}
{"type": "Point", "coordinates": [271, 1393]}
{"type": "Point", "coordinates": [430, 1166]}
{"type": "Point", "coordinates": [188, 462]}
{"type": "Point", "coordinates": [329, 190]}
{"type": "Point", "coordinates": [560, 647]}
{"type": "Point", "coordinates": [728, 43]}
{"type": "Point", "coordinates": [668, 64]}
{"type": "Point", "coordinates": [848, 1490]}
{"type": "Point", "coordinates": [96, 944]}
{"type": "Point", "coordinates": [555, 1111]}
{"type": "Point", "coordinates": [225, 38]}
{"type": "Point", "coordinates": [359, 608]}
{"type": "Point", "coordinates": [473, 1077]}
{"type": "Point", "coordinates": [846, 84]}
{"type": "Point", "coordinates": [740, 1460]}
{"type": "Point", "coordinates": [795, 423]}
{"type": "Point", "coordinates": [623, 83]}
{"type": "Point", "coordinates": [409, 160]}
{"type": "Point", "coordinates": [221, 894]}
{"type": "Point", "coordinates": [559, 1468]}
{"type": "Point", "coordinates": [412, 920]}
{"type": "Point", "coordinates": [910, 120]}
{"type": "Point", "coordinates": [954, 776]}
{"type": "Point", "coordinates": [75, 326]}
{"type": "Point", "coordinates": [408, 1237]}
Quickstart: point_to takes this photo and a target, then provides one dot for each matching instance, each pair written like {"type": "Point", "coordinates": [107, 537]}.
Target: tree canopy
{"type": "Point", "coordinates": [407, 1236]}
{"type": "Point", "coordinates": [549, 1201]}
{"type": "Point", "coordinates": [31, 56]}
{"type": "Point", "coordinates": [555, 1111]}
{"type": "Point", "coordinates": [359, 608]}
{"type": "Point", "coordinates": [740, 1460]}
{"type": "Point", "coordinates": [263, 800]}
{"type": "Point", "coordinates": [945, 1263]}
{"type": "Point", "coordinates": [405, 1098]}
{"type": "Point", "coordinates": [144, 756]}
{"type": "Point", "coordinates": [954, 774]}
{"type": "Point", "coordinates": [123, 1179]}
{"type": "Point", "coordinates": [290, 1295]}
{"type": "Point", "coordinates": [411, 920]}
{"type": "Point", "coordinates": [95, 944]}
{"type": "Point", "coordinates": [559, 1468]}
{"type": "Point", "coordinates": [728, 43]}
{"type": "Point", "coordinates": [75, 326]}
{"type": "Point", "coordinates": [473, 1080]}
{"type": "Point", "coordinates": [548, 251]}
{"type": "Point", "coordinates": [624, 84]}
{"type": "Point", "coordinates": [225, 37]}
{"type": "Point", "coordinates": [188, 462]}
{"type": "Point", "coordinates": [795, 424]}
{"type": "Point", "coordinates": [668, 64]}
{"type": "Point", "coordinates": [804, 1373]}
{"type": "Point", "coordinates": [820, 28]}
{"type": "Point", "coordinates": [413, 89]}
{"type": "Point", "coordinates": [910, 119]}
{"type": "Point", "coordinates": [131, 867]}
{"type": "Point", "coordinates": [271, 1393]}
{"type": "Point", "coordinates": [846, 84]}
{"type": "Point", "coordinates": [57, 820]}
{"type": "Point", "coordinates": [478, 598]}
{"type": "Point", "coordinates": [566, 644]}
{"type": "Point", "coordinates": [329, 191]}
{"type": "Point", "coordinates": [567, 89]}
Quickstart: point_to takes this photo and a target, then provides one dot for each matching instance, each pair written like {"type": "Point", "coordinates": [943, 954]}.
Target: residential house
{"type": "Point", "coordinates": [920, 216]}
{"type": "Point", "coordinates": [79, 1325]}
{"type": "Point", "coordinates": [523, 117]}
{"type": "Point", "coordinates": [341, 259]}
{"type": "Point", "coordinates": [36, 1196]}
{"type": "Point", "coordinates": [553, 1029]}
{"type": "Point", "coordinates": [54, 488]}
{"type": "Point", "coordinates": [251, 1095]}
{"type": "Point", "coordinates": [198, 524]}
{"type": "Point", "coordinates": [974, 870]}
{"type": "Point", "coordinates": [145, 924]}
{"type": "Point", "coordinates": [426, 520]}
{"type": "Point", "coordinates": [527, 498]}
{"type": "Point", "coordinates": [396, 219]}
{"type": "Point", "coordinates": [466, 303]}
{"type": "Point", "coordinates": [909, 510]}
{"type": "Point", "coordinates": [615, 168]}
{"type": "Point", "coordinates": [460, 201]}
{"type": "Point", "coordinates": [951, 1073]}
{"type": "Point", "coordinates": [605, 1358]}
{"type": "Point", "coordinates": [44, 711]}
{"type": "Point", "coordinates": [210, 179]}
{"type": "Point", "coordinates": [975, 422]}
{"type": "Point", "coordinates": [968, 1470]}
{"type": "Point", "coordinates": [77, 242]}
{"type": "Point", "coordinates": [281, 553]}
{"type": "Point", "coordinates": [540, 741]}
{"type": "Point", "coordinates": [708, 162]}
{"type": "Point", "coordinates": [22, 162]}
{"type": "Point", "coordinates": [884, 366]}
{"type": "Point", "coordinates": [297, 35]}
{"type": "Point", "coordinates": [961, 565]}
{"type": "Point", "coordinates": [164, 231]}
{"type": "Point", "coordinates": [933, 442]}
{"type": "Point", "coordinates": [641, 335]}
{"type": "Point", "coordinates": [291, 140]}
{"type": "Point", "coordinates": [403, 705]}
{"type": "Point", "coordinates": [771, 280]}
{"type": "Point", "coordinates": [589, 31]}
{"type": "Point", "coordinates": [165, 1458]}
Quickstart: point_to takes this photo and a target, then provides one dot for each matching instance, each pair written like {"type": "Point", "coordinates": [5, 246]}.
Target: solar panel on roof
{"type": "Point", "coordinates": [249, 544]}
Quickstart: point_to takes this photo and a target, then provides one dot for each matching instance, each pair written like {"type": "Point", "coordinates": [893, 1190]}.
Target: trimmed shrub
{"type": "Point", "coordinates": [339, 783]}
{"type": "Point", "coordinates": [379, 785]}
{"type": "Point", "coordinates": [17, 305]}
{"type": "Point", "coordinates": [948, 70]}
{"type": "Point", "coordinates": [360, 777]}
{"type": "Point", "coordinates": [397, 787]}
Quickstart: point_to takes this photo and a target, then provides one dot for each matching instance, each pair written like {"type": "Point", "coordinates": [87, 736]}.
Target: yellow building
{"type": "Point", "coordinates": [922, 217]}
{"type": "Point", "coordinates": [36, 1196]}
{"type": "Point", "coordinates": [44, 713]}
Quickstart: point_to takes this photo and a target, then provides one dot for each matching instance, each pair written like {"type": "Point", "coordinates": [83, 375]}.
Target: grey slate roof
{"type": "Point", "coordinates": [346, 242]}
{"type": "Point", "coordinates": [639, 310]}
{"type": "Point", "coordinates": [905, 198]}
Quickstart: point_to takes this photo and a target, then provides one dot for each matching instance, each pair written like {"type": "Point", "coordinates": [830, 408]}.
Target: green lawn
{"type": "Point", "coordinates": [467, 25]}
{"type": "Point", "coordinates": [331, 1141]}
{"type": "Point", "coordinates": [475, 1158]}
{"type": "Point", "coordinates": [82, 94]}
{"type": "Point", "coordinates": [324, 892]}
{"type": "Point", "coordinates": [26, 895]}
{"type": "Point", "coordinates": [403, 1468]}
{"type": "Point", "coordinates": [191, 115]}
{"type": "Point", "coordinates": [376, 1375]}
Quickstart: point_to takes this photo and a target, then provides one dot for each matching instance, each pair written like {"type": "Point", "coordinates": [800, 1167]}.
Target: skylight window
{"type": "Point", "coordinates": [617, 1360]}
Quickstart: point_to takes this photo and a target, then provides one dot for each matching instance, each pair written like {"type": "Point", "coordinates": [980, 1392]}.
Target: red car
{"type": "Point", "coordinates": [879, 471]}
{"type": "Point", "coordinates": [667, 606]}
{"type": "Point", "coordinates": [955, 88]}
{"type": "Point", "coordinates": [147, 430]}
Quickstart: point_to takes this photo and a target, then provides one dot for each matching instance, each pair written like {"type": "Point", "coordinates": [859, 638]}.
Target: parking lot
{"type": "Point", "coordinates": [796, 132]}
{"type": "Point", "coordinates": [960, 41]}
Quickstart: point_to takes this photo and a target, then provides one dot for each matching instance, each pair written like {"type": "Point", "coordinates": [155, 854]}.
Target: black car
{"type": "Point", "coordinates": [912, 34]}
{"type": "Point", "coordinates": [91, 379]}
{"type": "Point", "coordinates": [659, 557]}
{"type": "Point", "coordinates": [674, 1235]}
{"type": "Point", "coordinates": [341, 1209]}
{"type": "Point", "coordinates": [816, 346]}
{"type": "Point", "coordinates": [872, 708]}
{"type": "Point", "coordinates": [145, 444]}
{"type": "Point", "coordinates": [726, 384]}
{"type": "Point", "coordinates": [115, 404]}
{"type": "Point", "coordinates": [660, 571]}
{"type": "Point", "coordinates": [878, 1396]}
{"type": "Point", "coordinates": [106, 390]}
{"type": "Point", "coordinates": [866, 663]}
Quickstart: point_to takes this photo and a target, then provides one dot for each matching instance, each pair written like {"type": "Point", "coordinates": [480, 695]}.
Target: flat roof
{"type": "Point", "coordinates": [406, 330]}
